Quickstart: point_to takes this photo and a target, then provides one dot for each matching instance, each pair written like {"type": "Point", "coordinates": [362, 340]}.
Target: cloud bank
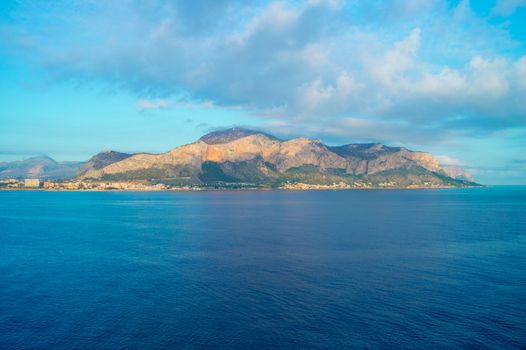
{"type": "Point", "coordinates": [423, 70]}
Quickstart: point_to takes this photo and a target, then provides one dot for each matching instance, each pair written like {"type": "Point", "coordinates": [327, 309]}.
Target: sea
{"type": "Point", "coordinates": [348, 269]}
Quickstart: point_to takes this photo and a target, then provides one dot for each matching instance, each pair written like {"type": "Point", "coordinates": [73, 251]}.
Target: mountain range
{"type": "Point", "coordinates": [238, 156]}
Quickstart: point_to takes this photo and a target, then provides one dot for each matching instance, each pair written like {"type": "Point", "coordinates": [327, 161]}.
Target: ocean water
{"type": "Point", "coordinates": [365, 269]}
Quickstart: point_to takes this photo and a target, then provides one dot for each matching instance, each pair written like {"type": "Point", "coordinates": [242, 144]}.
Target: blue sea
{"type": "Point", "coordinates": [363, 269]}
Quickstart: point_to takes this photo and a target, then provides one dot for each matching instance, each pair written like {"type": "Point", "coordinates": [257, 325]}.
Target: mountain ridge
{"type": "Point", "coordinates": [237, 156]}
{"type": "Point", "coordinates": [231, 134]}
{"type": "Point", "coordinates": [256, 158]}
{"type": "Point", "coordinates": [102, 159]}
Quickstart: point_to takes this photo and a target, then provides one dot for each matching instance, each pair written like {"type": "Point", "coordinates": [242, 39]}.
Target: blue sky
{"type": "Point", "coordinates": [447, 77]}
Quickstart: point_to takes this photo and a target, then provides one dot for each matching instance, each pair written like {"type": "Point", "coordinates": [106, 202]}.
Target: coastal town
{"type": "Point", "coordinates": [83, 185]}
{"type": "Point", "coordinates": [38, 184]}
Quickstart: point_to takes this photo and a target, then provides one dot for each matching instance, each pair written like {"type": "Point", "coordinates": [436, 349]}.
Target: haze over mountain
{"type": "Point", "coordinates": [41, 167]}
{"type": "Point", "coordinates": [251, 157]}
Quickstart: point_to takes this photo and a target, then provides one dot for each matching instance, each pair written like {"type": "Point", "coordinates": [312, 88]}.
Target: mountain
{"type": "Point", "coordinates": [102, 160]}
{"type": "Point", "coordinates": [229, 135]}
{"type": "Point", "coordinates": [252, 158]}
{"type": "Point", "coordinates": [41, 167]}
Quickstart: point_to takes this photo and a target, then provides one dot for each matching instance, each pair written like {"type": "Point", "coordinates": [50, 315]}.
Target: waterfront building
{"type": "Point", "coordinates": [32, 183]}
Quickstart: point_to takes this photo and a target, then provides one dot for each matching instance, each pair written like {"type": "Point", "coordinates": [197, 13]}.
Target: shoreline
{"type": "Point", "coordinates": [243, 189]}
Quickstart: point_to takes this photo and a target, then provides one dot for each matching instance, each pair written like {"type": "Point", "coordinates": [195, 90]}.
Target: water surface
{"type": "Point", "coordinates": [264, 269]}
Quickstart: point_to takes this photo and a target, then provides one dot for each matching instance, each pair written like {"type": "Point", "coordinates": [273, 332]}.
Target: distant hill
{"type": "Point", "coordinates": [42, 167]}
{"type": "Point", "coordinates": [249, 157]}
{"type": "Point", "coordinates": [46, 168]}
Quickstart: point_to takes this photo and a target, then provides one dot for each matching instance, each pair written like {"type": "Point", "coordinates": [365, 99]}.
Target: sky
{"type": "Point", "coordinates": [448, 77]}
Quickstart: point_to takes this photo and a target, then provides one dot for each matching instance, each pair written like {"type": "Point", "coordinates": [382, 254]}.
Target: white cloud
{"type": "Point", "coordinates": [151, 104]}
{"type": "Point", "coordinates": [398, 60]}
{"type": "Point", "coordinates": [520, 70]}
{"type": "Point", "coordinates": [446, 160]}
{"type": "Point", "coordinates": [507, 7]}
{"type": "Point", "coordinates": [317, 97]}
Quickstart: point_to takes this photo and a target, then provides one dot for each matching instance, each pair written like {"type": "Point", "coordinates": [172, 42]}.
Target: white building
{"type": "Point", "coordinates": [33, 183]}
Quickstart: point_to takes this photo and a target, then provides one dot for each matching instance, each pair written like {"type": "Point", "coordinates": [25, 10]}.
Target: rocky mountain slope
{"type": "Point", "coordinates": [240, 156]}
{"type": "Point", "coordinates": [101, 160]}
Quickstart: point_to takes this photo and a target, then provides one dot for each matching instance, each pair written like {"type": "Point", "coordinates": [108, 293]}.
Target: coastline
{"type": "Point", "coordinates": [229, 189]}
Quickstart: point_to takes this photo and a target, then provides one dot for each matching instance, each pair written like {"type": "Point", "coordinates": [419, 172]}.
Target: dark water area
{"type": "Point", "coordinates": [408, 269]}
